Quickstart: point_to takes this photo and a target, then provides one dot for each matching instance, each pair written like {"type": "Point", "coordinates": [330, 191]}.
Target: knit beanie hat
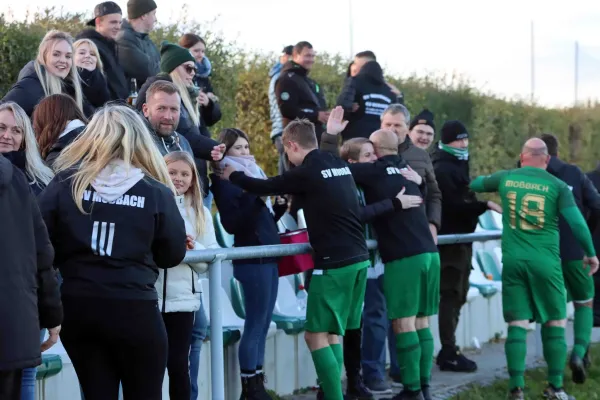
{"type": "Point", "coordinates": [425, 117]}
{"type": "Point", "coordinates": [137, 8]}
{"type": "Point", "coordinates": [172, 56]}
{"type": "Point", "coordinates": [453, 130]}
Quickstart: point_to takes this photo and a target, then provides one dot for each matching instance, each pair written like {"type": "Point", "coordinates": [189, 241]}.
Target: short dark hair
{"type": "Point", "coordinates": [366, 54]}
{"type": "Point", "coordinates": [551, 143]}
{"type": "Point", "coordinates": [301, 46]}
{"type": "Point", "coordinates": [301, 131]}
{"type": "Point", "coordinates": [288, 50]}
{"type": "Point", "coordinates": [229, 136]}
{"type": "Point", "coordinates": [350, 150]}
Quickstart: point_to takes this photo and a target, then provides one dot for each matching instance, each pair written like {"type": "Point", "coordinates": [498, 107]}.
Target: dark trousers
{"type": "Point", "coordinates": [179, 335]}
{"type": "Point", "coordinates": [597, 301]}
{"type": "Point", "coordinates": [454, 286]}
{"type": "Point", "coordinates": [10, 384]}
{"type": "Point", "coordinates": [352, 352]}
{"type": "Point", "coordinates": [112, 341]}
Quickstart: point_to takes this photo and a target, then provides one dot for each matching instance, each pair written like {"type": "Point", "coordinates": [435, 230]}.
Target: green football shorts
{"type": "Point", "coordinates": [411, 286]}
{"type": "Point", "coordinates": [533, 290]}
{"type": "Point", "coordinates": [580, 285]}
{"type": "Point", "coordinates": [335, 299]}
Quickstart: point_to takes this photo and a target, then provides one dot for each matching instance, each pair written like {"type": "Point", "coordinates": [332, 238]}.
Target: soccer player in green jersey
{"type": "Point", "coordinates": [532, 279]}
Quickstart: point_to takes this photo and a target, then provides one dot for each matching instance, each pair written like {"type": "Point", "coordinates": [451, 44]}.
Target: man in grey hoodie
{"type": "Point", "coordinates": [276, 118]}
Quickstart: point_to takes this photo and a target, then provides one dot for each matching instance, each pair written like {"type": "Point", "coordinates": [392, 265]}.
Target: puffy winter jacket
{"type": "Point", "coordinates": [182, 292]}
{"type": "Point", "coordinates": [138, 55]}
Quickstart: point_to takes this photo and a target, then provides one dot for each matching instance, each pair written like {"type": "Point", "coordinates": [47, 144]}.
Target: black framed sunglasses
{"type": "Point", "coordinates": [190, 69]}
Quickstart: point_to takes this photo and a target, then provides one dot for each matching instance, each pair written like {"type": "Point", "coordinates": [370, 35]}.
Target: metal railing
{"type": "Point", "coordinates": [215, 256]}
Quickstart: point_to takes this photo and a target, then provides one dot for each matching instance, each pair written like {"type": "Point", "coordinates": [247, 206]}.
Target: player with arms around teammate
{"type": "Point", "coordinates": [324, 186]}
{"type": "Point", "coordinates": [410, 255]}
{"type": "Point", "coordinates": [580, 285]}
{"type": "Point", "coordinates": [532, 278]}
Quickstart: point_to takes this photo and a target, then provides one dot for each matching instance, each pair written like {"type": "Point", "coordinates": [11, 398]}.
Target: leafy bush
{"type": "Point", "coordinates": [498, 128]}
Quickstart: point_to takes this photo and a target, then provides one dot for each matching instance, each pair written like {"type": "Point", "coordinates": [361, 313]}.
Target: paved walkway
{"type": "Point", "coordinates": [492, 366]}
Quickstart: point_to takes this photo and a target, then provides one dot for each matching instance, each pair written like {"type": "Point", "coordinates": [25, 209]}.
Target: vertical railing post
{"type": "Point", "coordinates": [217, 366]}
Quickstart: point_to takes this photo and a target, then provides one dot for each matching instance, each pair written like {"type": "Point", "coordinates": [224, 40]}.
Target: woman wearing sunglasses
{"type": "Point", "coordinates": [178, 66]}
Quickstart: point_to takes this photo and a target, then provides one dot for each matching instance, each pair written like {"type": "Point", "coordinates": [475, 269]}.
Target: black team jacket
{"type": "Point", "coordinates": [324, 185]}
{"type": "Point", "coordinates": [115, 250]}
{"type": "Point", "coordinates": [299, 96]}
{"type": "Point", "coordinates": [404, 233]}
{"type": "Point", "coordinates": [587, 199]}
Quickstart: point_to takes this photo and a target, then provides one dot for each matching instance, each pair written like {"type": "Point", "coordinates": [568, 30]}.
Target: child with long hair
{"type": "Point", "coordinates": [177, 288]}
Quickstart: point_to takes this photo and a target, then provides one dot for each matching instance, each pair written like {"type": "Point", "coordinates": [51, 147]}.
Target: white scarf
{"type": "Point", "coordinates": [247, 165]}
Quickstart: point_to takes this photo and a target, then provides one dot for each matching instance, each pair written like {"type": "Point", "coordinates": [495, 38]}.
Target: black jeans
{"type": "Point", "coordinates": [179, 333]}
{"type": "Point", "coordinates": [454, 286]}
{"type": "Point", "coordinates": [112, 341]}
{"type": "Point", "coordinates": [10, 384]}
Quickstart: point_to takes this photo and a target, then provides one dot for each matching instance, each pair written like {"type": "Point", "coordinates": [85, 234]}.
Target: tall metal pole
{"type": "Point", "coordinates": [532, 64]}
{"type": "Point", "coordinates": [576, 73]}
{"type": "Point", "coordinates": [351, 28]}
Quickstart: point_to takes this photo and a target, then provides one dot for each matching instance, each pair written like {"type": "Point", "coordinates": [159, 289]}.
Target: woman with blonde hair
{"type": "Point", "coordinates": [112, 218]}
{"type": "Point", "coordinates": [91, 70]}
{"type": "Point", "coordinates": [51, 72]}
{"type": "Point", "coordinates": [178, 290]}
{"type": "Point", "coordinates": [18, 144]}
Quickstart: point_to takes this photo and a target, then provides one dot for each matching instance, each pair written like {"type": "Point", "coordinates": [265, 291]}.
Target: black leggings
{"type": "Point", "coordinates": [179, 332]}
{"type": "Point", "coordinates": [114, 341]}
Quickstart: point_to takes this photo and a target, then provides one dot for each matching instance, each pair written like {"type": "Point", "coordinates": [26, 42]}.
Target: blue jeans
{"type": "Point", "coordinates": [198, 335]}
{"type": "Point", "coordinates": [29, 376]}
{"type": "Point", "coordinates": [260, 283]}
{"type": "Point", "coordinates": [376, 327]}
{"type": "Point", "coordinates": [208, 200]}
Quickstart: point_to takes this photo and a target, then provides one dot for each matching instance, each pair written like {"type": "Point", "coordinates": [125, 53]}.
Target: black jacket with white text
{"type": "Point", "coordinates": [324, 186]}
{"type": "Point", "coordinates": [404, 233]}
{"type": "Point", "coordinates": [115, 250]}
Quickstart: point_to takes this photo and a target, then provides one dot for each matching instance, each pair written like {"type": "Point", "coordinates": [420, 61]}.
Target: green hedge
{"type": "Point", "coordinates": [498, 128]}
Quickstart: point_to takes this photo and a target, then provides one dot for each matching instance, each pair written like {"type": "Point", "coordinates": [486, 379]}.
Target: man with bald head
{"type": "Point", "coordinates": [410, 256]}
{"type": "Point", "coordinates": [532, 278]}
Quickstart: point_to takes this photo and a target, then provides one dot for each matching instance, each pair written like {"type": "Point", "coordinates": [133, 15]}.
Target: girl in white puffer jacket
{"type": "Point", "coordinates": [178, 288]}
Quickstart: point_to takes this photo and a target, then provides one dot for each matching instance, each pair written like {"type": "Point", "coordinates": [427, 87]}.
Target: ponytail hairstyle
{"type": "Point", "coordinates": [50, 83]}
{"type": "Point", "coordinates": [193, 197]}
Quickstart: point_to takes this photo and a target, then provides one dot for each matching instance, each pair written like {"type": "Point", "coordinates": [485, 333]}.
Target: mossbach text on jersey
{"type": "Point", "coordinates": [125, 200]}
{"type": "Point", "coordinates": [527, 185]}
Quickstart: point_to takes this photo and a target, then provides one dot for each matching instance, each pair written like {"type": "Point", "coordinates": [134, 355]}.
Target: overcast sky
{"type": "Point", "coordinates": [487, 41]}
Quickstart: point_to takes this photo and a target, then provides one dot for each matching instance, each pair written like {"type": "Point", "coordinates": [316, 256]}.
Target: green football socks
{"type": "Point", "coordinates": [584, 321]}
{"type": "Point", "coordinates": [338, 352]}
{"type": "Point", "coordinates": [426, 343]}
{"type": "Point", "coordinates": [328, 372]}
{"type": "Point", "coordinates": [408, 350]}
{"type": "Point", "coordinates": [515, 348]}
{"type": "Point", "coordinates": [555, 353]}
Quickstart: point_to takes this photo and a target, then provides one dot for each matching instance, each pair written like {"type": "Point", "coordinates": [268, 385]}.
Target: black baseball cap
{"type": "Point", "coordinates": [102, 9]}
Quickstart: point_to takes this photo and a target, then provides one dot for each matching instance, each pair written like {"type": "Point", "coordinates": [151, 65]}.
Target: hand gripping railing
{"type": "Point", "coordinates": [215, 256]}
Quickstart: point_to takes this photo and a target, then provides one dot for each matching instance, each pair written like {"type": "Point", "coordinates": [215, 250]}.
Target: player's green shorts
{"type": "Point", "coordinates": [533, 290]}
{"type": "Point", "coordinates": [411, 286]}
{"type": "Point", "coordinates": [580, 285]}
{"type": "Point", "coordinates": [335, 299]}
